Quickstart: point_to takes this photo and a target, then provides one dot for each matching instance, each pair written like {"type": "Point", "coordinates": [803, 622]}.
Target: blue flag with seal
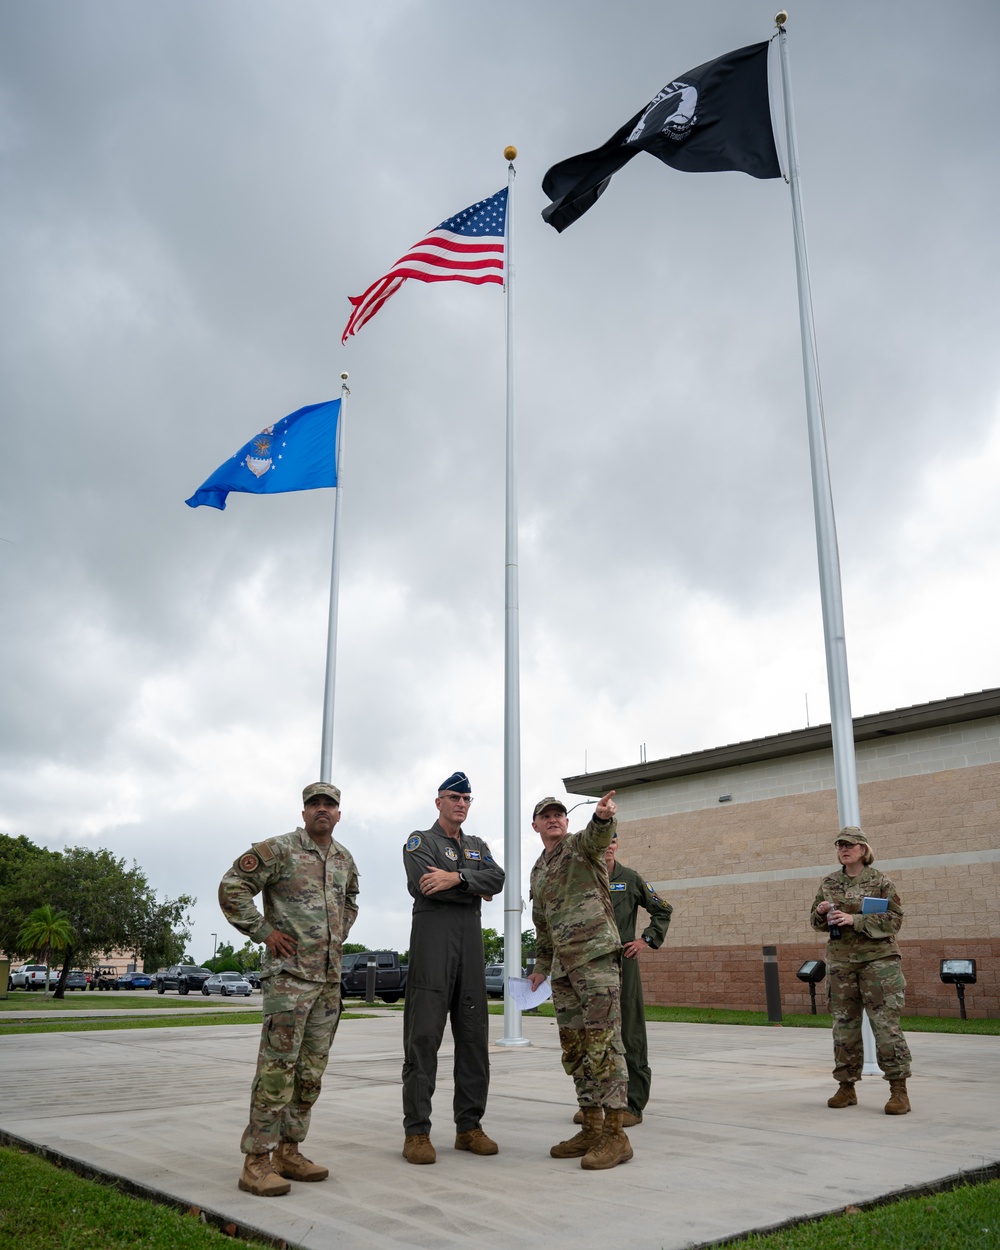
{"type": "Point", "coordinates": [299, 452]}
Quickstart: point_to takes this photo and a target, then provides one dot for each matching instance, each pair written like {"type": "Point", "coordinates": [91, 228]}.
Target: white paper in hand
{"type": "Point", "coordinates": [524, 996]}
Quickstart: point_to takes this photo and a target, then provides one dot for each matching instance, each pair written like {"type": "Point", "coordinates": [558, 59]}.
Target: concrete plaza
{"type": "Point", "coordinates": [737, 1135]}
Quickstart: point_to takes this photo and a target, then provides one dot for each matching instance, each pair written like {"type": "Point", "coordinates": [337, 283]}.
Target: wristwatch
{"type": "Point", "coordinates": [649, 942]}
{"type": "Point", "coordinates": [462, 883]}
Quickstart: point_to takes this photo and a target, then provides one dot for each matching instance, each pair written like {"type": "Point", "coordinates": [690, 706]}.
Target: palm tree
{"type": "Point", "coordinates": [44, 931]}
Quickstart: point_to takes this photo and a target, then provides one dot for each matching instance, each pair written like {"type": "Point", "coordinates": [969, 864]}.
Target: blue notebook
{"type": "Point", "coordinates": [869, 905]}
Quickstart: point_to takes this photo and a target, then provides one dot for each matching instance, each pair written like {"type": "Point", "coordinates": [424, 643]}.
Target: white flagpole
{"type": "Point", "coordinates": [831, 596]}
{"type": "Point", "coordinates": [326, 745]}
{"type": "Point", "coordinates": [831, 593]}
{"type": "Point", "coordinates": [512, 903]}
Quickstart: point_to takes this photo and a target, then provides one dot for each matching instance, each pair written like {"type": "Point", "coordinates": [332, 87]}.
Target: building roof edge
{"type": "Point", "coordinates": [964, 707]}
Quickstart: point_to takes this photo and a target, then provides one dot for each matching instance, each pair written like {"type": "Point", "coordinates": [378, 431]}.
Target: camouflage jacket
{"type": "Point", "coordinates": [312, 899]}
{"type": "Point", "coordinates": [628, 893]}
{"type": "Point", "coordinates": [870, 937]}
{"type": "Point", "coordinates": [468, 855]}
{"type": "Point", "coordinates": [571, 905]}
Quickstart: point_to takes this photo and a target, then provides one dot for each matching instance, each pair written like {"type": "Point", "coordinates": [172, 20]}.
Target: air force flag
{"type": "Point", "coordinates": [299, 452]}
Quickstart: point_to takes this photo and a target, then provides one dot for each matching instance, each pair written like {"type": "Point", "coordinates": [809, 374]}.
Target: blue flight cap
{"type": "Point", "coordinates": [458, 783]}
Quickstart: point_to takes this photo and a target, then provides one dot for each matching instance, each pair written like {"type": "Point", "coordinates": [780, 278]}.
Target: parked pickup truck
{"type": "Point", "coordinates": [181, 977]}
{"type": "Point", "coordinates": [390, 976]}
{"type": "Point", "coordinates": [32, 977]}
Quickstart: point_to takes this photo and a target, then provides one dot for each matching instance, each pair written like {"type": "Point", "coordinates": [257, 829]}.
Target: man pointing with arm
{"type": "Point", "coordinates": [578, 945]}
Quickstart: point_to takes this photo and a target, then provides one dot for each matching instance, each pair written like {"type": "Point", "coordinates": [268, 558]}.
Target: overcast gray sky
{"type": "Point", "coordinates": [191, 191]}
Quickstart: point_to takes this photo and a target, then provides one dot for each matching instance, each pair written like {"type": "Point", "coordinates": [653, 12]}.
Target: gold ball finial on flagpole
{"type": "Point", "coordinates": [343, 377]}
{"type": "Point", "coordinates": [510, 153]}
{"type": "Point", "coordinates": [780, 18]}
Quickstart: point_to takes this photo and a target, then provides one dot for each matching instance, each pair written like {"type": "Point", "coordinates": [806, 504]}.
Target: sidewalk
{"type": "Point", "coordinates": [737, 1135]}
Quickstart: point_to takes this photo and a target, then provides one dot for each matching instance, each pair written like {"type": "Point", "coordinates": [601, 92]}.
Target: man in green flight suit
{"type": "Point", "coordinates": [448, 874]}
{"type": "Point", "coordinates": [309, 885]}
{"type": "Point", "coordinates": [629, 892]}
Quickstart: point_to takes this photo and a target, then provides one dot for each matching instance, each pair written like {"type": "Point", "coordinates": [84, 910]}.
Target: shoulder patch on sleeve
{"type": "Point", "coordinates": [487, 855]}
{"type": "Point", "coordinates": [249, 862]}
{"type": "Point", "coordinates": [413, 842]}
{"type": "Point", "coordinates": [265, 852]}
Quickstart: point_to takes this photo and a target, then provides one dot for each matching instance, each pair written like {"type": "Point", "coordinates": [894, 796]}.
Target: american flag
{"type": "Point", "coordinates": [468, 247]}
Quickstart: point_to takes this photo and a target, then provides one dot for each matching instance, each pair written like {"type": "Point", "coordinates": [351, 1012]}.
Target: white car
{"type": "Point", "coordinates": [226, 983]}
{"type": "Point", "coordinates": [32, 977]}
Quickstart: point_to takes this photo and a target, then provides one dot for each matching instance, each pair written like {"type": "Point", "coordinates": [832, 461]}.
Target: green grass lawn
{"type": "Point", "coordinates": [45, 1207]}
{"type": "Point", "coordinates": [101, 1000]}
{"type": "Point", "coordinates": [713, 1015]}
{"type": "Point", "coordinates": [67, 1212]}
{"type": "Point", "coordinates": [967, 1218]}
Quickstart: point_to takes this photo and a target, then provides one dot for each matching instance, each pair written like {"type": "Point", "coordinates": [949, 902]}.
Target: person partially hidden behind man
{"type": "Point", "coordinates": [309, 885]}
{"type": "Point", "coordinates": [448, 874]}
{"type": "Point", "coordinates": [629, 892]}
{"type": "Point", "coordinates": [577, 943]}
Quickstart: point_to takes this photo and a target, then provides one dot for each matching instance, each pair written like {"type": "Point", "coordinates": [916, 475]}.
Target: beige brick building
{"type": "Point", "coordinates": [737, 839]}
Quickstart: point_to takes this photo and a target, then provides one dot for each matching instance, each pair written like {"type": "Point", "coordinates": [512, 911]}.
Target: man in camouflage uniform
{"type": "Point", "coordinates": [864, 971]}
{"type": "Point", "coordinates": [310, 886]}
{"type": "Point", "coordinates": [577, 944]}
{"type": "Point", "coordinates": [448, 874]}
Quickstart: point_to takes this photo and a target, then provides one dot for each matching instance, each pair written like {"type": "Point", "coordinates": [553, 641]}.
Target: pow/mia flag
{"type": "Point", "coordinates": [713, 118]}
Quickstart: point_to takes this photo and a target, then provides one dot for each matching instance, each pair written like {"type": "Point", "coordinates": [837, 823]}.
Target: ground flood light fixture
{"type": "Point", "coordinates": [960, 973]}
{"type": "Point", "coordinates": [813, 971]}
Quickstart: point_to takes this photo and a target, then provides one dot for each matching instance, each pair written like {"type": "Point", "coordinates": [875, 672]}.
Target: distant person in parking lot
{"type": "Point", "coordinates": [309, 884]}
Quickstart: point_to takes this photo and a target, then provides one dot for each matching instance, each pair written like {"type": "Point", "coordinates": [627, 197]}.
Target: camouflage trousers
{"type": "Point", "coordinates": [300, 1019]}
{"type": "Point", "coordinates": [588, 1012]}
{"type": "Point", "coordinates": [878, 988]}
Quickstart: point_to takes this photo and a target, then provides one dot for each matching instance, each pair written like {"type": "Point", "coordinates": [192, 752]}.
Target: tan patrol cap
{"type": "Point", "coordinates": [852, 834]}
{"type": "Point", "coordinates": [542, 804]}
{"type": "Point", "coordinates": [321, 787]}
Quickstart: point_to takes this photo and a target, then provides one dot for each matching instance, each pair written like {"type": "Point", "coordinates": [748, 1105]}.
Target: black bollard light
{"type": "Point", "coordinates": [960, 973]}
{"type": "Point", "coordinates": [813, 971]}
{"type": "Point", "coordinates": [772, 987]}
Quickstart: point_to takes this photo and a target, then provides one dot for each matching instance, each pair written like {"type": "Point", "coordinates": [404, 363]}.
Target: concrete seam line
{"type": "Point", "coordinates": [981, 1175]}
{"type": "Point", "coordinates": [138, 1190]}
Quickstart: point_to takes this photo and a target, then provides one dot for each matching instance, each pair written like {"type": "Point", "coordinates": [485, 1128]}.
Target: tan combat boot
{"type": "Point", "coordinates": [576, 1147]}
{"type": "Point", "coordinates": [844, 1097]}
{"type": "Point", "coordinates": [898, 1103]}
{"type": "Point", "coordinates": [613, 1148]}
{"type": "Point", "coordinates": [476, 1141]}
{"type": "Point", "coordinates": [631, 1118]}
{"type": "Point", "coordinates": [417, 1148]}
{"type": "Point", "coordinates": [290, 1163]}
{"type": "Point", "coordinates": [258, 1177]}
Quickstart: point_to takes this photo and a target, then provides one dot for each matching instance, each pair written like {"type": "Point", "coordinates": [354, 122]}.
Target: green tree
{"type": "Point", "coordinates": [528, 941]}
{"type": "Point", "coordinates": [249, 956]}
{"type": "Point", "coordinates": [110, 907]}
{"type": "Point", "coordinates": [492, 946]}
{"type": "Point", "coordinates": [225, 959]}
{"type": "Point", "coordinates": [46, 930]}
{"type": "Point", "coordinates": [17, 856]}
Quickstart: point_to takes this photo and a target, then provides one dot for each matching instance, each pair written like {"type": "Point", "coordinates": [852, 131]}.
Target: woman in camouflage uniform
{"type": "Point", "coordinates": [865, 973]}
